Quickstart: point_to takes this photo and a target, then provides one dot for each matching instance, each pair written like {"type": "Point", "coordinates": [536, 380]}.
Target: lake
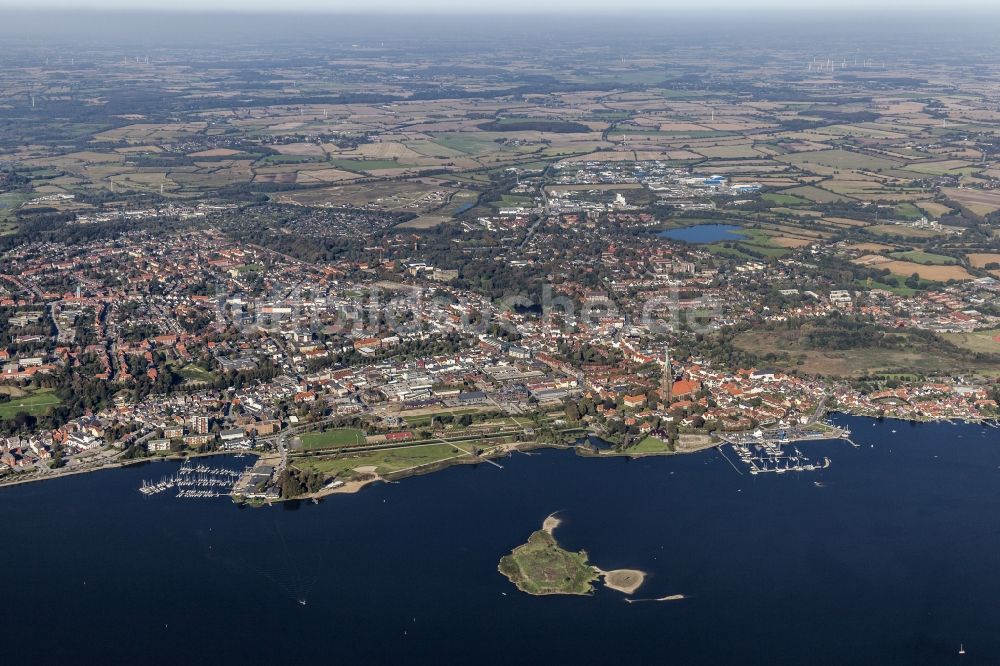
{"type": "Point", "coordinates": [705, 233]}
{"type": "Point", "coordinates": [889, 556]}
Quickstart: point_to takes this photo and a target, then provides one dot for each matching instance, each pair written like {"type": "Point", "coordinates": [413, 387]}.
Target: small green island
{"type": "Point", "coordinates": [541, 566]}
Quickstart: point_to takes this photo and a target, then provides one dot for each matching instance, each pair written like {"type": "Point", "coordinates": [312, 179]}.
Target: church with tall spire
{"type": "Point", "coordinates": [667, 382]}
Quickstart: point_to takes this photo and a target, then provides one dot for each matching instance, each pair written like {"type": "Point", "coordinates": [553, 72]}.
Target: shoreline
{"type": "Point", "coordinates": [54, 475]}
{"type": "Point", "coordinates": [356, 485]}
{"type": "Point", "coordinates": [626, 581]}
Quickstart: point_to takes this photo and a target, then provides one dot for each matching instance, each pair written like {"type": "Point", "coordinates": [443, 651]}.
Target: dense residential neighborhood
{"type": "Point", "coordinates": [199, 342]}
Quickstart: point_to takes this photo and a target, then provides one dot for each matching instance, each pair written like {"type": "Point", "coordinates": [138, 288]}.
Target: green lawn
{"type": "Point", "coordinates": [36, 403]}
{"type": "Point", "coordinates": [384, 461]}
{"type": "Point", "coordinates": [652, 445]}
{"type": "Point", "coordinates": [331, 439]}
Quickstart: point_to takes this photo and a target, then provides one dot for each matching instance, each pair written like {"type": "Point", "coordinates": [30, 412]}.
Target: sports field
{"type": "Point", "coordinates": [332, 439]}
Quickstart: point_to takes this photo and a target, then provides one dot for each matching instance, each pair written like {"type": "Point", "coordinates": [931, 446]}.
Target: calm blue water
{"type": "Point", "coordinates": [704, 233]}
{"type": "Point", "coordinates": [892, 561]}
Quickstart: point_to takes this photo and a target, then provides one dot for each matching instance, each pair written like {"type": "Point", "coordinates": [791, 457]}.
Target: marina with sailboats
{"type": "Point", "coordinates": [768, 457]}
{"type": "Point", "coordinates": [192, 481]}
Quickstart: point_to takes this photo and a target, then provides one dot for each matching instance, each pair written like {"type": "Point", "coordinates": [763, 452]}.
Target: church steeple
{"type": "Point", "coordinates": [667, 382]}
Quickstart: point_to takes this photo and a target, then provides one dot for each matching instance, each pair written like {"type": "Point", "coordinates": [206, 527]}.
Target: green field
{"type": "Point", "coordinates": [792, 350]}
{"type": "Point", "coordinates": [908, 211]}
{"type": "Point", "coordinates": [785, 199]}
{"type": "Point", "coordinates": [384, 461]}
{"type": "Point", "coordinates": [273, 160]}
{"type": "Point", "coordinates": [431, 149]}
{"type": "Point", "coordinates": [760, 242]}
{"type": "Point", "coordinates": [36, 403]}
{"type": "Point", "coordinates": [509, 200]}
{"type": "Point", "coordinates": [519, 124]}
{"type": "Point", "coordinates": [756, 241]}
{"type": "Point", "coordinates": [734, 252]}
{"type": "Point", "coordinates": [897, 287]}
{"type": "Point", "coordinates": [332, 439]}
{"type": "Point", "coordinates": [984, 342]}
{"type": "Point", "coordinates": [691, 134]}
{"type": "Point", "coordinates": [839, 159]}
{"type": "Point", "coordinates": [367, 165]}
{"type": "Point", "coordinates": [10, 201]}
{"type": "Point", "coordinates": [816, 194]}
{"type": "Point", "coordinates": [926, 258]}
{"type": "Point", "coordinates": [469, 143]}
{"type": "Point", "coordinates": [651, 445]}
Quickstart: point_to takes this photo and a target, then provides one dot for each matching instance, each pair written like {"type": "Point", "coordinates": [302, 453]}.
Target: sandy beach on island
{"type": "Point", "coordinates": [670, 597]}
{"type": "Point", "coordinates": [551, 523]}
{"type": "Point", "coordinates": [622, 580]}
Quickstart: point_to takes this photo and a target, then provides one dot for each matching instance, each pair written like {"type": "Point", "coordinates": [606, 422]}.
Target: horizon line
{"type": "Point", "coordinates": [706, 8]}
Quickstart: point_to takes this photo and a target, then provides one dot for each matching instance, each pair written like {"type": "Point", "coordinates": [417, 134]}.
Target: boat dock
{"type": "Point", "coordinates": [195, 482]}
{"type": "Point", "coordinates": [772, 458]}
{"type": "Point", "coordinates": [774, 452]}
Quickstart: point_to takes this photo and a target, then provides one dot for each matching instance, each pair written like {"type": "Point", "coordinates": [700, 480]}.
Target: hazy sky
{"type": "Point", "coordinates": [466, 6]}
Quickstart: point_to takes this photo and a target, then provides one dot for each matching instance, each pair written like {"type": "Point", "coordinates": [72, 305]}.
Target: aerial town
{"type": "Point", "coordinates": [354, 289]}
